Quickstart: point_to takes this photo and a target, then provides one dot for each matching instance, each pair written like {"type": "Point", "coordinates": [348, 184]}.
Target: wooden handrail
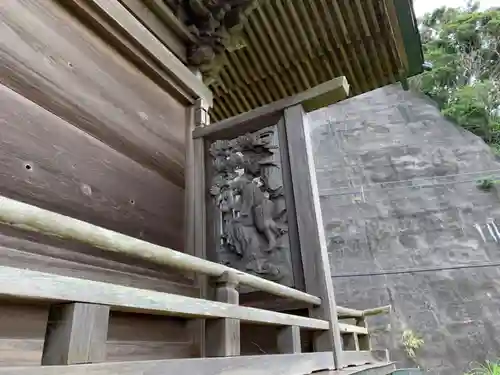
{"type": "Point", "coordinates": [35, 219]}
{"type": "Point", "coordinates": [345, 312]}
{"type": "Point", "coordinates": [33, 285]}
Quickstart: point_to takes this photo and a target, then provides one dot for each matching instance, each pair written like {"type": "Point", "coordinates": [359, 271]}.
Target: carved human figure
{"type": "Point", "coordinates": [256, 209]}
{"type": "Point", "coordinates": [248, 191]}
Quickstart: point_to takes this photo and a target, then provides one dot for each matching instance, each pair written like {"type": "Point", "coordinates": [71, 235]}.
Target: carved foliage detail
{"type": "Point", "coordinates": [217, 26]}
{"type": "Point", "coordinates": [248, 192]}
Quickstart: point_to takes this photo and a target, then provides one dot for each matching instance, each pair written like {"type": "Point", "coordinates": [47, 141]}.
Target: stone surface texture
{"type": "Point", "coordinates": [398, 187]}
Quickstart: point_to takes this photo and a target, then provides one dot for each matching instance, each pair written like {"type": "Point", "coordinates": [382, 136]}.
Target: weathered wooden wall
{"type": "Point", "coordinates": [85, 133]}
{"type": "Point", "coordinates": [130, 336]}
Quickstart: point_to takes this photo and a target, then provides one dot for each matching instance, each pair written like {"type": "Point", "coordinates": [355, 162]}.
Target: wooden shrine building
{"type": "Point", "coordinates": [159, 211]}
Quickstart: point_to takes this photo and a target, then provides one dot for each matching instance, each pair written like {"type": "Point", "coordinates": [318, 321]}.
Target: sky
{"type": "Point", "coordinates": [424, 6]}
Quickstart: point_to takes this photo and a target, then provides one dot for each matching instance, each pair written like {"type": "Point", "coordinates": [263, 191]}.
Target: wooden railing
{"type": "Point", "coordinates": [78, 334]}
{"type": "Point", "coordinates": [35, 219]}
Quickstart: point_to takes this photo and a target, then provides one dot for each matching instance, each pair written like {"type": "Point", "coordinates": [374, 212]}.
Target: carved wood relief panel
{"type": "Point", "coordinates": [251, 217]}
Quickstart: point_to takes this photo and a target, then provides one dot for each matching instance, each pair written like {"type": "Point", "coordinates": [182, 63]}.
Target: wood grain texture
{"type": "Point", "coordinates": [293, 230]}
{"type": "Point", "coordinates": [49, 57]}
{"type": "Point", "coordinates": [313, 246]}
{"type": "Point", "coordinates": [285, 364]}
{"type": "Point", "coordinates": [155, 25]}
{"type": "Point", "coordinates": [223, 338]}
{"type": "Point", "coordinates": [141, 35]}
{"type": "Point", "coordinates": [17, 283]}
{"type": "Point", "coordinates": [49, 163]}
{"type": "Point", "coordinates": [20, 215]}
{"type": "Point", "coordinates": [107, 30]}
{"type": "Point", "coordinates": [38, 253]}
{"type": "Point", "coordinates": [76, 333]}
{"type": "Point", "coordinates": [140, 337]}
{"type": "Point", "coordinates": [22, 333]}
{"type": "Point", "coordinates": [194, 218]}
{"type": "Point", "coordinates": [289, 340]}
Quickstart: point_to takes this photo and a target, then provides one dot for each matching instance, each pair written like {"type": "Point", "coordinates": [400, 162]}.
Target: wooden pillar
{"type": "Point", "coordinates": [317, 274]}
{"type": "Point", "coordinates": [194, 208]}
{"type": "Point", "coordinates": [76, 333]}
{"type": "Point", "coordinates": [222, 334]}
{"type": "Point", "coordinates": [289, 340]}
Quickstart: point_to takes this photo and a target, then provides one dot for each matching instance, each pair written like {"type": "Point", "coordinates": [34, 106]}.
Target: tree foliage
{"type": "Point", "coordinates": [463, 45]}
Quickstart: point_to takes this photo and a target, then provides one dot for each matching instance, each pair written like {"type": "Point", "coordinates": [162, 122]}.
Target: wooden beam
{"type": "Point", "coordinates": [317, 274]}
{"type": "Point", "coordinates": [168, 17]}
{"type": "Point", "coordinates": [76, 333]}
{"type": "Point", "coordinates": [349, 328]}
{"type": "Point", "coordinates": [138, 32]}
{"type": "Point", "coordinates": [34, 219]}
{"type": "Point", "coordinates": [320, 96]}
{"type": "Point", "coordinates": [161, 30]}
{"type": "Point", "coordinates": [25, 284]}
{"type": "Point", "coordinates": [289, 364]}
{"type": "Point", "coordinates": [289, 340]}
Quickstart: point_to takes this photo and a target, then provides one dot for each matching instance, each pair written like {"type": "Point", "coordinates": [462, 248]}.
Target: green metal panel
{"type": "Point", "coordinates": [411, 36]}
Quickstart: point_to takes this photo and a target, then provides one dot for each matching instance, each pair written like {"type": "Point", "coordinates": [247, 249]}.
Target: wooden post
{"type": "Point", "coordinates": [76, 333]}
{"type": "Point", "coordinates": [289, 340]}
{"type": "Point", "coordinates": [351, 341]}
{"type": "Point", "coordinates": [317, 275]}
{"type": "Point", "coordinates": [194, 211]}
{"type": "Point", "coordinates": [223, 335]}
{"type": "Point", "coordinates": [363, 340]}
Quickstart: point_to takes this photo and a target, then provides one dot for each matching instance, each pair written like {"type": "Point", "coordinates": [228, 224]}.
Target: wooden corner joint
{"type": "Point", "coordinates": [228, 280]}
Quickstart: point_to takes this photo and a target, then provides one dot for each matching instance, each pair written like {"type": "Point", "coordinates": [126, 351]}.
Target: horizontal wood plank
{"type": "Point", "coordinates": [142, 337]}
{"type": "Point", "coordinates": [37, 253]}
{"type": "Point", "coordinates": [259, 118]}
{"type": "Point", "coordinates": [154, 24]}
{"type": "Point", "coordinates": [53, 59]}
{"type": "Point", "coordinates": [357, 358]}
{"type": "Point", "coordinates": [47, 162]}
{"type": "Point", "coordinates": [25, 284]}
{"type": "Point", "coordinates": [22, 333]}
{"type": "Point", "coordinates": [349, 328]}
{"type": "Point", "coordinates": [285, 364]}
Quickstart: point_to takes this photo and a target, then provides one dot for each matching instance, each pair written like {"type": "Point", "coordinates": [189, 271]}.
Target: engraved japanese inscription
{"type": "Point", "coordinates": [247, 189]}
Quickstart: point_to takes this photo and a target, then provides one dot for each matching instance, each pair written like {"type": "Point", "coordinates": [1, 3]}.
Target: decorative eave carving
{"type": "Point", "coordinates": [217, 26]}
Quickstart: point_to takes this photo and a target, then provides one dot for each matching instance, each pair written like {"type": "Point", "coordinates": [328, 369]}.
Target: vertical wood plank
{"type": "Point", "coordinates": [293, 233]}
{"type": "Point", "coordinates": [289, 340]}
{"type": "Point", "coordinates": [223, 335]}
{"type": "Point", "coordinates": [76, 333]}
{"type": "Point", "coordinates": [317, 275]}
{"type": "Point", "coordinates": [194, 205]}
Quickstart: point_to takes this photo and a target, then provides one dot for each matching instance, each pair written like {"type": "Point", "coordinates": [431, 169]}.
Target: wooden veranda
{"type": "Point", "coordinates": [130, 134]}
